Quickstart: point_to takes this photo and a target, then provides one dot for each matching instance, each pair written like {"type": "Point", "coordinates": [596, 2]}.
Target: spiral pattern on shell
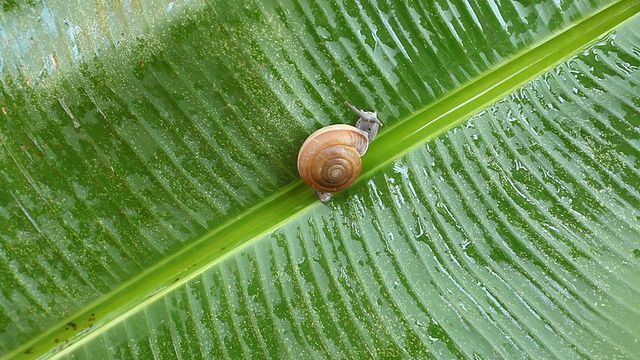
{"type": "Point", "coordinates": [329, 160]}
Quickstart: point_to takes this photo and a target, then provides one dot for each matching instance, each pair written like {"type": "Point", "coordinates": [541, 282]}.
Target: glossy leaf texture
{"type": "Point", "coordinates": [513, 235]}
{"type": "Point", "coordinates": [138, 135]}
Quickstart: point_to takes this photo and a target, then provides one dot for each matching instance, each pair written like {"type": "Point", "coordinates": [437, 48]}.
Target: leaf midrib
{"type": "Point", "coordinates": [392, 143]}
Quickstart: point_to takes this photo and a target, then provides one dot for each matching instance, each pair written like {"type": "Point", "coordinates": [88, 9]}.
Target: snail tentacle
{"type": "Point", "coordinates": [368, 121]}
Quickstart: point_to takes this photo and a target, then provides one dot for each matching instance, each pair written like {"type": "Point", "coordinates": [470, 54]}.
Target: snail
{"type": "Point", "coordinates": [329, 160]}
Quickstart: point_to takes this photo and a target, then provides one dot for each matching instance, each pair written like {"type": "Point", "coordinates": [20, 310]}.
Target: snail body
{"type": "Point", "coordinates": [330, 159]}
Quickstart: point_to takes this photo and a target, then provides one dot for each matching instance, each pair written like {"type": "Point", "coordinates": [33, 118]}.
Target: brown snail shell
{"type": "Point", "coordinates": [329, 160]}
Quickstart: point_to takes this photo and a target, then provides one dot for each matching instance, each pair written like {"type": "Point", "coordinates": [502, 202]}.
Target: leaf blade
{"type": "Point", "coordinates": [189, 200]}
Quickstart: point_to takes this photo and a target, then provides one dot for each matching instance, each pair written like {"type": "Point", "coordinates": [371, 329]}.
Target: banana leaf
{"type": "Point", "coordinates": [150, 205]}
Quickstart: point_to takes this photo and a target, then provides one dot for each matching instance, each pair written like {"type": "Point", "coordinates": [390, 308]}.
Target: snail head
{"type": "Point", "coordinates": [368, 121]}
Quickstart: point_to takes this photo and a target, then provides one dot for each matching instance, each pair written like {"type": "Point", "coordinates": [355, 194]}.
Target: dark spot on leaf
{"type": "Point", "coordinates": [72, 325]}
{"type": "Point", "coordinates": [29, 351]}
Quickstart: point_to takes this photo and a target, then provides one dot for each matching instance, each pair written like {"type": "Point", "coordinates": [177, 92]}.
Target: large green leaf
{"type": "Point", "coordinates": [149, 203]}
